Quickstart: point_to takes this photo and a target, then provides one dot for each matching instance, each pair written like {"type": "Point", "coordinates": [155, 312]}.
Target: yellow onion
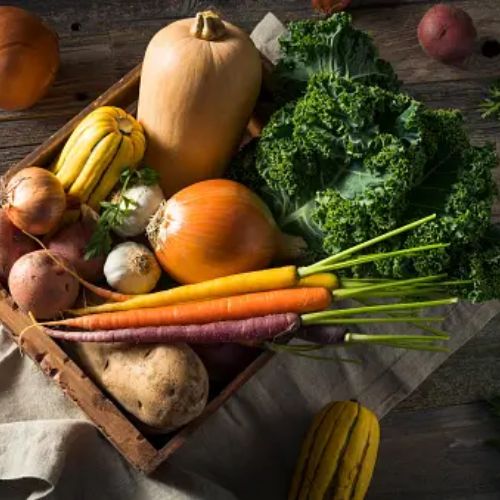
{"type": "Point", "coordinates": [34, 200]}
{"type": "Point", "coordinates": [216, 228]}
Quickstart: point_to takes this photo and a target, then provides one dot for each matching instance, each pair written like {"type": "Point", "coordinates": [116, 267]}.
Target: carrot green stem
{"type": "Point", "coordinates": [373, 257]}
{"type": "Point", "coordinates": [350, 321]}
{"type": "Point", "coordinates": [413, 342]}
{"type": "Point", "coordinates": [353, 337]}
{"type": "Point", "coordinates": [312, 318]}
{"type": "Point", "coordinates": [312, 269]}
{"type": "Point", "coordinates": [298, 352]}
{"type": "Point", "coordinates": [426, 328]}
{"type": "Point", "coordinates": [342, 293]}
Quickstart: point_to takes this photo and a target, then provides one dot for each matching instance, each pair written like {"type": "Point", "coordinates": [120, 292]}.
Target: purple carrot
{"type": "Point", "coordinates": [323, 334]}
{"type": "Point", "coordinates": [256, 329]}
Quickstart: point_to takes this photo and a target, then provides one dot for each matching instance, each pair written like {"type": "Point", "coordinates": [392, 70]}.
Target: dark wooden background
{"type": "Point", "coordinates": [433, 443]}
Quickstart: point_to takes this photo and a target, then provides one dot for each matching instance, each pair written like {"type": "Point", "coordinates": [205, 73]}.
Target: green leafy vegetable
{"type": "Point", "coordinates": [490, 107]}
{"type": "Point", "coordinates": [117, 210]}
{"type": "Point", "coordinates": [348, 160]}
{"type": "Point", "coordinates": [334, 46]}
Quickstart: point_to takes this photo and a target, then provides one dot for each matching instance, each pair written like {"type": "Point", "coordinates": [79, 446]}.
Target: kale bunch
{"type": "Point", "coordinates": [350, 156]}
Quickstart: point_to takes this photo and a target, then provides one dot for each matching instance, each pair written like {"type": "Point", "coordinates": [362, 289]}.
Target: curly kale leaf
{"type": "Point", "coordinates": [334, 46]}
{"type": "Point", "coordinates": [480, 263]}
{"type": "Point", "coordinates": [334, 157]}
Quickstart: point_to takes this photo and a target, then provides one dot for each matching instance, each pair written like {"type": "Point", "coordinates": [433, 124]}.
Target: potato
{"type": "Point", "coordinates": [163, 386]}
{"type": "Point", "coordinates": [447, 34]}
{"type": "Point", "coordinates": [41, 286]}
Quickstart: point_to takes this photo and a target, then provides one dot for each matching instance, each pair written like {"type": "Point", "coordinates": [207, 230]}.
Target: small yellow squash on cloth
{"type": "Point", "coordinates": [338, 454]}
{"type": "Point", "coordinates": [102, 146]}
{"type": "Point", "coordinates": [199, 85]}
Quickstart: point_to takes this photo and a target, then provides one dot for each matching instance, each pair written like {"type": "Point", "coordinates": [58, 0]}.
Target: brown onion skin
{"type": "Point", "coordinates": [13, 245]}
{"type": "Point", "coordinates": [29, 58]}
{"type": "Point", "coordinates": [35, 200]}
{"type": "Point", "coordinates": [41, 286]}
{"type": "Point", "coordinates": [447, 34]}
{"type": "Point", "coordinates": [223, 228]}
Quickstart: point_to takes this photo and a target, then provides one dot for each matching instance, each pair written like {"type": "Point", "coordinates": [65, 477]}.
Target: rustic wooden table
{"type": "Point", "coordinates": [433, 443]}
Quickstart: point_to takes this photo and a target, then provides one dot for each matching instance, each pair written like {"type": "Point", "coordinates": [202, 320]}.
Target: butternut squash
{"type": "Point", "coordinates": [200, 81]}
{"type": "Point", "coordinates": [105, 142]}
{"type": "Point", "coordinates": [29, 58]}
{"type": "Point", "coordinates": [338, 454]}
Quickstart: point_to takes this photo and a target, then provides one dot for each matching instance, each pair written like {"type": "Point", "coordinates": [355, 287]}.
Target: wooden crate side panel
{"type": "Point", "coordinates": [57, 365]}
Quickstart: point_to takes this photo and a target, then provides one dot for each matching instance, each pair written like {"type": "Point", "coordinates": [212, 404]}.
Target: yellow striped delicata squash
{"type": "Point", "coordinates": [338, 454]}
{"type": "Point", "coordinates": [102, 146]}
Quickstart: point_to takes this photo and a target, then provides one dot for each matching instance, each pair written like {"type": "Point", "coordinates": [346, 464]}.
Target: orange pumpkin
{"type": "Point", "coordinates": [200, 81]}
{"type": "Point", "coordinates": [29, 58]}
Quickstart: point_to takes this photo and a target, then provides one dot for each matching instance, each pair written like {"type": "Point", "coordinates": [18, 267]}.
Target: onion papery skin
{"type": "Point", "coordinates": [214, 228]}
{"type": "Point", "coordinates": [35, 201]}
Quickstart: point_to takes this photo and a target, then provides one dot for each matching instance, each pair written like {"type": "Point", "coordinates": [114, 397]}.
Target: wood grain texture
{"type": "Point", "coordinates": [438, 454]}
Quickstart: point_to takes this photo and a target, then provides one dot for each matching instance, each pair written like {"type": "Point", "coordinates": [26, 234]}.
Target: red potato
{"type": "Point", "coordinates": [40, 286]}
{"type": "Point", "coordinates": [13, 245]}
{"type": "Point", "coordinates": [71, 242]}
{"type": "Point", "coordinates": [447, 33]}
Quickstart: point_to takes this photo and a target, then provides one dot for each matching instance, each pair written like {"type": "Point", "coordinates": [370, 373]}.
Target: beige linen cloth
{"type": "Point", "coordinates": [49, 450]}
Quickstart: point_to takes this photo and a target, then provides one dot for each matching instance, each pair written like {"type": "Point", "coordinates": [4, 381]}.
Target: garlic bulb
{"type": "Point", "coordinates": [146, 200]}
{"type": "Point", "coordinates": [132, 268]}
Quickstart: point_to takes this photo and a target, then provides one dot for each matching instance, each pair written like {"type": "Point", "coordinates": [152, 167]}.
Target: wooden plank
{"type": "Point", "coordinates": [438, 454]}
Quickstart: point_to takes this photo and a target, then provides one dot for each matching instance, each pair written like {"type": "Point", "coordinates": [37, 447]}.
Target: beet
{"type": "Point", "coordinates": [447, 34]}
{"type": "Point", "coordinates": [71, 242]}
{"type": "Point", "coordinates": [13, 245]}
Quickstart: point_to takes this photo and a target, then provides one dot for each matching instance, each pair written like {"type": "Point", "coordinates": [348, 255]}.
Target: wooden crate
{"type": "Point", "coordinates": [119, 428]}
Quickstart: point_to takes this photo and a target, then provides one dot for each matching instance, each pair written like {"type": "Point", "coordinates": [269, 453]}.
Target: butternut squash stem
{"type": "Point", "coordinates": [100, 292]}
{"type": "Point", "coordinates": [208, 26]}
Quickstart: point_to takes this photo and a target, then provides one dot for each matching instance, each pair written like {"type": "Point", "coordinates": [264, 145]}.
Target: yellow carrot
{"type": "Point", "coordinates": [325, 280]}
{"type": "Point", "coordinates": [237, 284]}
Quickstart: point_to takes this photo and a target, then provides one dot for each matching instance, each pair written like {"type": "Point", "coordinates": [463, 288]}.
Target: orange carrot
{"type": "Point", "coordinates": [293, 300]}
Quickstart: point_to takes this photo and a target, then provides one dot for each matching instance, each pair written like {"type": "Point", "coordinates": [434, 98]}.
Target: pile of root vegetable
{"type": "Point", "coordinates": [134, 248]}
